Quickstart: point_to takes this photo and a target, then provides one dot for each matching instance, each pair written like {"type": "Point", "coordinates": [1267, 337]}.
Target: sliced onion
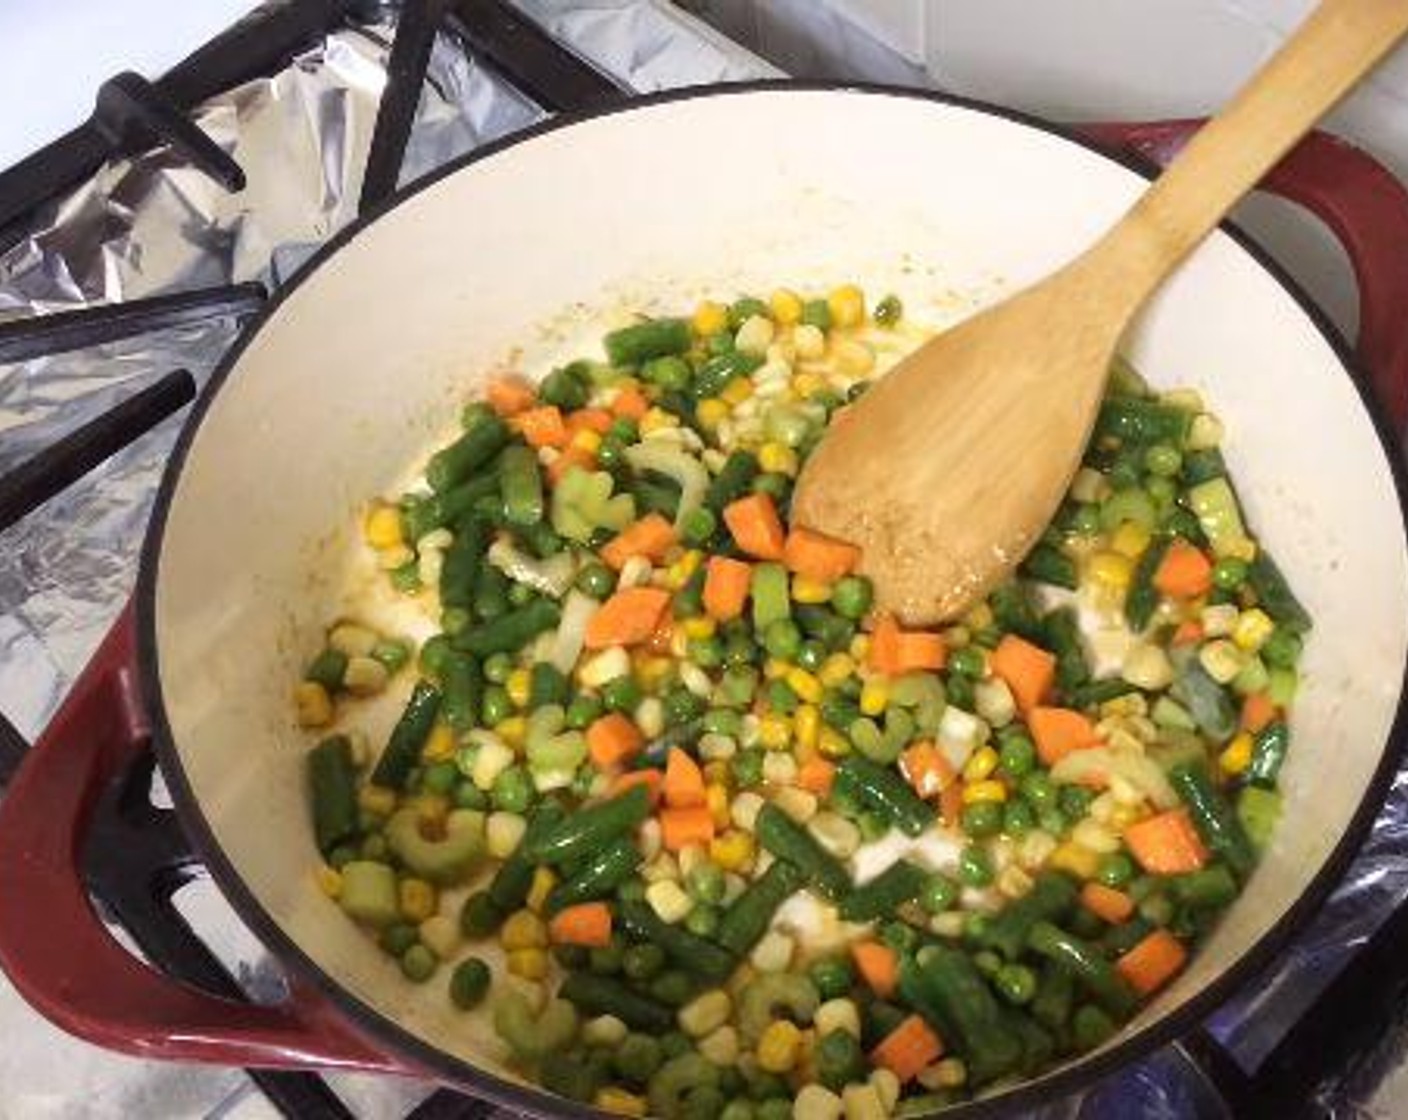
{"type": "Point", "coordinates": [577, 610]}
{"type": "Point", "coordinates": [1103, 763]}
{"type": "Point", "coordinates": [675, 464]}
{"type": "Point", "coordinates": [552, 576]}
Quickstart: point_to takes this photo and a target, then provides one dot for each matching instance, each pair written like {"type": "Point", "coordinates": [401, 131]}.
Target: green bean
{"type": "Point", "coordinates": [1259, 809]}
{"type": "Point", "coordinates": [1038, 1047]}
{"type": "Point", "coordinates": [1091, 1027]}
{"type": "Point", "coordinates": [655, 338]}
{"type": "Point", "coordinates": [490, 593]}
{"type": "Point", "coordinates": [1048, 564]}
{"type": "Point", "coordinates": [1274, 594]}
{"type": "Point", "coordinates": [690, 952]}
{"type": "Point", "coordinates": [1093, 693]}
{"type": "Point", "coordinates": [689, 599]}
{"type": "Point", "coordinates": [1051, 898]}
{"type": "Point", "coordinates": [1055, 995]}
{"type": "Point", "coordinates": [402, 750]}
{"type": "Point", "coordinates": [1120, 939]}
{"type": "Point", "coordinates": [747, 919]}
{"type": "Point", "coordinates": [588, 829]}
{"type": "Point", "coordinates": [436, 511]}
{"type": "Point", "coordinates": [521, 485]}
{"type": "Point", "coordinates": [884, 791]}
{"type": "Point", "coordinates": [950, 989]}
{"type": "Point", "coordinates": [1062, 632]}
{"type": "Point", "coordinates": [826, 626]}
{"type": "Point", "coordinates": [565, 387]}
{"type": "Point", "coordinates": [601, 995]}
{"type": "Point", "coordinates": [732, 481]}
{"type": "Point", "coordinates": [452, 465]}
{"type": "Point", "coordinates": [332, 788]}
{"type": "Point", "coordinates": [1012, 611]}
{"type": "Point", "coordinates": [606, 870]}
{"type": "Point", "coordinates": [1268, 755]}
{"type": "Point", "coordinates": [1201, 465]}
{"type": "Point", "coordinates": [786, 839]}
{"type": "Point", "coordinates": [1210, 887]}
{"type": "Point", "coordinates": [462, 686]}
{"type": "Point", "coordinates": [899, 883]}
{"type": "Point", "coordinates": [1090, 968]}
{"type": "Point", "coordinates": [327, 669]}
{"type": "Point", "coordinates": [1133, 420]}
{"type": "Point", "coordinates": [509, 632]}
{"type": "Point", "coordinates": [654, 495]}
{"type": "Point", "coordinates": [715, 374]}
{"type": "Point", "coordinates": [1213, 817]}
{"type": "Point", "coordinates": [508, 889]}
{"type": "Point", "coordinates": [1143, 597]}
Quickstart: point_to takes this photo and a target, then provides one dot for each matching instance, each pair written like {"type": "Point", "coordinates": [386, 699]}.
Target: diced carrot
{"type": "Point", "coordinates": [628, 618]}
{"type": "Point", "coordinates": [684, 781]}
{"type": "Point", "coordinates": [509, 394]}
{"type": "Point", "coordinates": [878, 966]}
{"type": "Point", "coordinates": [1257, 712]}
{"type": "Point", "coordinates": [589, 419]}
{"type": "Point", "coordinates": [1166, 844]}
{"type": "Point", "coordinates": [1184, 572]}
{"type": "Point", "coordinates": [926, 769]}
{"type": "Point", "coordinates": [922, 650]}
{"type": "Point", "coordinates": [1106, 903]}
{"type": "Point", "coordinates": [1028, 670]}
{"type": "Point", "coordinates": [1153, 962]}
{"type": "Point", "coordinates": [613, 739]}
{"type": "Point", "coordinates": [816, 775]}
{"type": "Point", "coordinates": [884, 654]}
{"type": "Point", "coordinates": [951, 804]}
{"type": "Point", "coordinates": [817, 556]}
{"type": "Point", "coordinates": [1058, 732]}
{"type": "Point", "coordinates": [1188, 633]}
{"type": "Point", "coordinates": [652, 780]}
{"type": "Point", "coordinates": [651, 537]}
{"type": "Point", "coordinates": [542, 427]}
{"type": "Point", "coordinates": [630, 402]}
{"type": "Point", "coordinates": [754, 523]}
{"type": "Point", "coordinates": [587, 923]}
{"type": "Point", "coordinates": [571, 457]}
{"type": "Point", "coordinates": [726, 582]}
{"type": "Point", "coordinates": [908, 1049]}
{"type": "Point", "coordinates": [679, 828]}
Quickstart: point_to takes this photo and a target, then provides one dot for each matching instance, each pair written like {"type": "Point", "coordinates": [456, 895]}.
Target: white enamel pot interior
{"type": "Point", "coordinates": [524, 253]}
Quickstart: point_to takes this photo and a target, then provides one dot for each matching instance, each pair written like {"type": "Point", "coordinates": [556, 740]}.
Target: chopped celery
{"type": "Point", "coordinates": [1219, 515]}
{"type": "Point", "coordinates": [770, 597]}
{"type": "Point", "coordinates": [369, 892]}
{"type": "Point", "coordinates": [582, 503]}
{"type": "Point", "coordinates": [677, 465]}
{"type": "Point", "coordinates": [1259, 809]}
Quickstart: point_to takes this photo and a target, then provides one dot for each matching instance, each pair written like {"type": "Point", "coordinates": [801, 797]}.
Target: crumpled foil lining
{"type": "Point", "coordinates": [148, 225]}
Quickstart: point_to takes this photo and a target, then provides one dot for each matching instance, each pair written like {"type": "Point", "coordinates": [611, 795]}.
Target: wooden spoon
{"type": "Point", "coordinates": [948, 470]}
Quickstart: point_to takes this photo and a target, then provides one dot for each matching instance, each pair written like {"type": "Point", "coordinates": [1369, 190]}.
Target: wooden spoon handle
{"type": "Point", "coordinates": [1336, 46]}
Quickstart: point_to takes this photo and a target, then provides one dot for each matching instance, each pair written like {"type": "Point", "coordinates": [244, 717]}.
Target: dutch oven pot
{"type": "Point", "coordinates": [351, 373]}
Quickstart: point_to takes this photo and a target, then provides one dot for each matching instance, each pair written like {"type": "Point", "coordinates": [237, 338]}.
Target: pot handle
{"type": "Point", "coordinates": [59, 954]}
{"type": "Point", "coordinates": [1364, 206]}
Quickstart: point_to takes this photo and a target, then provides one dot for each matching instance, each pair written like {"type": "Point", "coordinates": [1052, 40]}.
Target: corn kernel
{"type": "Point", "coordinates": [651, 671]}
{"type": "Point", "coordinates": [587, 440]}
{"type": "Point", "coordinates": [808, 385]}
{"type": "Point", "coordinates": [710, 318]}
{"type": "Point", "coordinates": [517, 686]}
{"type": "Point", "coordinates": [1222, 660]}
{"type": "Point", "coordinates": [439, 745]}
{"type": "Point", "coordinates": [668, 900]}
{"type": "Point", "coordinates": [832, 743]}
{"type": "Point", "coordinates": [786, 306]}
{"type": "Point", "coordinates": [1095, 836]}
{"type": "Point", "coordinates": [852, 358]}
{"type": "Point", "coordinates": [774, 732]}
{"type": "Point", "coordinates": [377, 799]}
{"type": "Point", "coordinates": [716, 798]}
{"type": "Point", "coordinates": [1122, 816]}
{"type": "Point", "coordinates": [806, 590]}
{"type": "Point", "coordinates": [416, 898]}
{"type": "Point", "coordinates": [806, 726]}
{"type": "Point", "coordinates": [987, 790]}
{"type": "Point", "coordinates": [710, 413]}
{"type": "Point", "coordinates": [737, 391]}
{"type": "Point", "coordinates": [622, 1103]}
{"type": "Point", "coordinates": [512, 731]}
{"type": "Point", "coordinates": [543, 882]}
{"type": "Point", "coordinates": [1112, 569]}
{"type": "Point", "coordinates": [778, 458]}
{"type": "Point", "coordinates": [804, 684]}
{"type": "Point", "coordinates": [775, 668]}
{"type": "Point", "coordinates": [329, 880]}
{"type": "Point", "coordinates": [732, 850]}
{"type": "Point", "coordinates": [382, 528]}
{"type": "Point", "coordinates": [1238, 755]}
{"type": "Point", "coordinates": [847, 304]}
{"type": "Point", "coordinates": [836, 669]}
{"type": "Point", "coordinates": [657, 420]}
{"type": "Point", "coordinates": [313, 704]}
{"type": "Point", "coordinates": [1131, 539]}
{"type": "Point", "coordinates": [1252, 629]}
{"type": "Point", "coordinates": [779, 1047]}
{"type": "Point", "coordinates": [1243, 549]}
{"type": "Point", "coordinates": [716, 771]}
{"type": "Point", "coordinates": [874, 696]}
{"type": "Point", "coordinates": [701, 626]}
{"type": "Point", "coordinates": [528, 964]}
{"type": "Point", "coordinates": [523, 929]}
{"type": "Point", "coordinates": [1079, 861]}
{"type": "Point", "coordinates": [859, 648]}
{"type": "Point", "coordinates": [980, 765]}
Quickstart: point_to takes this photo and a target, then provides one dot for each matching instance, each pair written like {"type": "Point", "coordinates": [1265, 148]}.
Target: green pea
{"type": "Point", "coordinates": [706, 883]}
{"type": "Point", "coordinates": [622, 694]}
{"type": "Point", "coordinates": [1016, 755]}
{"type": "Point", "coordinates": [574, 958]}
{"type": "Point", "coordinates": [596, 580]}
{"type": "Point", "coordinates": [699, 526]}
{"type": "Point", "coordinates": [1229, 573]}
{"type": "Point", "coordinates": [1085, 520]}
{"type": "Point", "coordinates": [888, 311]}
{"type": "Point", "coordinates": [774, 1108]}
{"type": "Point", "coordinates": [975, 927]}
{"type": "Point", "coordinates": [707, 653]}
{"type": "Point", "coordinates": [612, 452]}
{"type": "Point", "coordinates": [375, 848]}
{"type": "Point", "coordinates": [988, 963]}
{"type": "Point", "coordinates": [1052, 820]}
{"type": "Point", "coordinates": [852, 597]}
{"type": "Point", "coordinates": [900, 936]}
{"type": "Point", "coordinates": [638, 1057]}
{"type": "Point", "coordinates": [675, 1043]}
{"type": "Point", "coordinates": [469, 796]}
{"type": "Point", "coordinates": [454, 619]}
{"type": "Point", "coordinates": [1281, 650]}
{"type": "Point", "coordinates": [1115, 870]}
{"type": "Point", "coordinates": [702, 921]}
{"type": "Point", "coordinates": [833, 976]}
{"type": "Point", "coordinates": [774, 485]}
{"type": "Point", "coordinates": [959, 690]}
{"type": "Point", "coordinates": [671, 373]}
{"type": "Point", "coordinates": [625, 429]}
{"type": "Point", "coordinates": [940, 893]}
{"type": "Point", "coordinates": [739, 651]}
{"type": "Point", "coordinates": [1018, 818]}
{"type": "Point", "coordinates": [607, 960]}
{"type": "Point", "coordinates": [495, 706]}
{"type": "Point", "coordinates": [673, 987]}
{"type": "Point", "coordinates": [1091, 1027]}
{"type": "Point", "coordinates": [520, 594]}
{"type": "Point", "coordinates": [584, 710]}
{"type": "Point", "coordinates": [439, 777]}
{"type": "Point", "coordinates": [469, 983]}
{"type": "Point", "coordinates": [1162, 490]}
{"type": "Point", "coordinates": [1016, 983]}
{"type": "Point", "coordinates": [643, 962]}
{"type": "Point", "coordinates": [982, 819]}
{"type": "Point", "coordinates": [398, 938]}
{"type": "Point", "coordinates": [1038, 790]}
{"type": "Point", "coordinates": [747, 767]}
{"type": "Point", "coordinates": [723, 721]}
{"type": "Point", "coordinates": [1156, 909]}
{"type": "Point", "coordinates": [812, 655]}
{"type": "Point", "coordinates": [1163, 460]}
{"type": "Point", "coordinates": [681, 706]}
{"type": "Point", "coordinates": [418, 964]}
{"type": "Point", "coordinates": [783, 639]}
{"type": "Point", "coordinates": [968, 662]}
{"type": "Point", "coordinates": [392, 654]}
{"type": "Point", "coordinates": [1075, 801]}
{"type": "Point", "coordinates": [781, 698]}
{"type": "Point", "coordinates": [497, 667]}
{"type": "Point", "coordinates": [974, 866]}
{"type": "Point", "coordinates": [513, 790]}
{"type": "Point", "coordinates": [433, 653]}
{"type": "Point", "coordinates": [737, 1110]}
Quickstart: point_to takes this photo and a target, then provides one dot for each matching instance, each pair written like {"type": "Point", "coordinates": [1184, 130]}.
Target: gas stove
{"type": "Point", "coordinates": [131, 253]}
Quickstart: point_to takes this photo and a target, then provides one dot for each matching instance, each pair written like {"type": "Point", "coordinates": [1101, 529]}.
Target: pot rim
{"type": "Point", "coordinates": [459, 1072]}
